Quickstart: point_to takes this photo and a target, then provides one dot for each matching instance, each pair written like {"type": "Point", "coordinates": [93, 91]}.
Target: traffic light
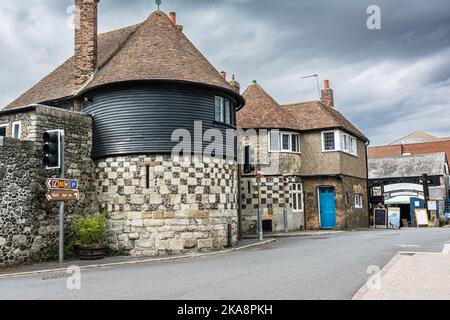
{"type": "Point", "coordinates": [52, 149]}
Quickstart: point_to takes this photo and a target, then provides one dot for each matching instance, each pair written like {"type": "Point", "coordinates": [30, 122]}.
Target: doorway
{"type": "Point", "coordinates": [327, 208]}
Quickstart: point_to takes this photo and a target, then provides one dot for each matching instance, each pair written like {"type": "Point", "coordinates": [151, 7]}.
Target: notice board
{"type": "Point", "coordinates": [394, 218]}
{"type": "Point", "coordinates": [380, 218]}
{"type": "Point", "coordinates": [421, 216]}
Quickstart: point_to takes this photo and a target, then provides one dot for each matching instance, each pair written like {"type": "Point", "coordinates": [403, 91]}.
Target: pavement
{"type": "Point", "coordinates": [333, 266]}
{"type": "Point", "coordinates": [411, 276]}
{"type": "Point", "coordinates": [305, 233]}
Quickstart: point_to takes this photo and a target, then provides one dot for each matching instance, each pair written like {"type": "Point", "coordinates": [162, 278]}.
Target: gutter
{"type": "Point", "coordinates": [367, 182]}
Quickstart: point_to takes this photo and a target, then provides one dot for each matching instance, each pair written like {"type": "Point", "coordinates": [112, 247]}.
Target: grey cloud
{"type": "Point", "coordinates": [388, 82]}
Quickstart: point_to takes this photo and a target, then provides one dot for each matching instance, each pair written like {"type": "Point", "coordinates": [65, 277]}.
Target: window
{"type": "Point", "coordinates": [283, 141]}
{"type": "Point", "coordinates": [224, 111]}
{"type": "Point", "coordinates": [295, 143]}
{"type": "Point", "coordinates": [339, 141]}
{"type": "Point", "coordinates": [3, 130]}
{"type": "Point", "coordinates": [274, 140]}
{"type": "Point", "coordinates": [219, 109]}
{"type": "Point", "coordinates": [328, 141]}
{"type": "Point", "coordinates": [297, 197]}
{"type": "Point", "coordinates": [358, 201]}
{"type": "Point", "coordinates": [17, 130]}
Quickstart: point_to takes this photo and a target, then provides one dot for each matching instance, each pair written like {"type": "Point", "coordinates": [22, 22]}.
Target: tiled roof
{"type": "Point", "coordinates": [153, 50]}
{"type": "Point", "coordinates": [262, 111]}
{"type": "Point", "coordinates": [416, 137]}
{"type": "Point", "coordinates": [432, 164]}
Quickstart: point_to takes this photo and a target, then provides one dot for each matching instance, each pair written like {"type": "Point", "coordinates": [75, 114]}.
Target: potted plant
{"type": "Point", "coordinates": [89, 236]}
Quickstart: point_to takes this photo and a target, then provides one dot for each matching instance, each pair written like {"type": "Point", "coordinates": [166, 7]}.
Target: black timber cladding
{"type": "Point", "coordinates": [140, 118]}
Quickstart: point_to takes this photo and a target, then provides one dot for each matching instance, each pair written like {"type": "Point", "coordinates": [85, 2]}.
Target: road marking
{"type": "Point", "coordinates": [446, 249]}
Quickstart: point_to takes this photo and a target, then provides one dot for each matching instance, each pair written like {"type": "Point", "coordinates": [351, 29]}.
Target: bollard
{"type": "Point", "coordinates": [286, 227]}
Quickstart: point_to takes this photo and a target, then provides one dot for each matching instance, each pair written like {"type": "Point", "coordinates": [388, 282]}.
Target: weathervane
{"type": "Point", "coordinates": [158, 3]}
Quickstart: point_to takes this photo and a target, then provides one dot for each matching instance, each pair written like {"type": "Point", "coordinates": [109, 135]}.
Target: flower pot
{"type": "Point", "coordinates": [91, 252]}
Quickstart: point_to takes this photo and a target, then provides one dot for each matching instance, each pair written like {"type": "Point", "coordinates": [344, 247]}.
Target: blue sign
{"type": "Point", "coordinates": [74, 184]}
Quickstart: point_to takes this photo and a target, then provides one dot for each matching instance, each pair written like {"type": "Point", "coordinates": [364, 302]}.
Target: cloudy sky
{"type": "Point", "coordinates": [389, 82]}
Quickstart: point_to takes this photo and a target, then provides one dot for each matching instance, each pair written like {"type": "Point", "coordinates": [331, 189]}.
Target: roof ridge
{"type": "Point", "coordinates": [292, 104]}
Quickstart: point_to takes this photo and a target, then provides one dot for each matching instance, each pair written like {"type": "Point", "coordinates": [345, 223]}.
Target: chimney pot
{"type": "Point", "coordinates": [173, 17]}
{"type": "Point", "coordinates": [327, 96]}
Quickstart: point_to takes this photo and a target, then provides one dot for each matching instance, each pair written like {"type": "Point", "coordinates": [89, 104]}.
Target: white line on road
{"type": "Point", "coordinates": [446, 249]}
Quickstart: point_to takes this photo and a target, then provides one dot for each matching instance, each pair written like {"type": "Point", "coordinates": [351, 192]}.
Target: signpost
{"type": "Point", "coordinates": [63, 195]}
{"type": "Point", "coordinates": [58, 189]}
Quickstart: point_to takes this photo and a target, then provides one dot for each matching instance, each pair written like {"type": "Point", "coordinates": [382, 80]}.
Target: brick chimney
{"type": "Point", "coordinates": [85, 40]}
{"type": "Point", "coordinates": [173, 17]}
{"type": "Point", "coordinates": [327, 95]}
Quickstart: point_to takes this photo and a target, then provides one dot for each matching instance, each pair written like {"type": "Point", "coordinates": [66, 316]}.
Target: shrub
{"type": "Point", "coordinates": [89, 230]}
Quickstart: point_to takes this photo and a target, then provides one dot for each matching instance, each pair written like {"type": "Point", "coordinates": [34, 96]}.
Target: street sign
{"type": "Point", "coordinates": [63, 195]}
{"type": "Point", "coordinates": [62, 184]}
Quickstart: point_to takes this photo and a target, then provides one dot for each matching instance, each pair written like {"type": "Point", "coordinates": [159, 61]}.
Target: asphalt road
{"type": "Point", "coordinates": [323, 267]}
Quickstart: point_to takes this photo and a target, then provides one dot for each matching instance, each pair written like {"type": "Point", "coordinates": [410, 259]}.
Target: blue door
{"type": "Point", "coordinates": [327, 208]}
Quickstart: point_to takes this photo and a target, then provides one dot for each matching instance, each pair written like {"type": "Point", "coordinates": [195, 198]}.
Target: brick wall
{"type": "Point", "coordinates": [414, 148]}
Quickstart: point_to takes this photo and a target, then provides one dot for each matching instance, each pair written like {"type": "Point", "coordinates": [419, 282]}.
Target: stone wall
{"type": "Point", "coordinates": [24, 226]}
{"type": "Point", "coordinates": [28, 222]}
{"type": "Point", "coordinates": [345, 189]}
{"type": "Point", "coordinates": [157, 205]}
{"type": "Point", "coordinates": [276, 194]}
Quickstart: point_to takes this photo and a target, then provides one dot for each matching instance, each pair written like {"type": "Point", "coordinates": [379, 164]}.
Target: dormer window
{"type": "Point", "coordinates": [224, 111]}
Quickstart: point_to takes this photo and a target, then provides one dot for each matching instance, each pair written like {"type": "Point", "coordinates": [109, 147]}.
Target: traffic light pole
{"type": "Point", "coordinates": [61, 204]}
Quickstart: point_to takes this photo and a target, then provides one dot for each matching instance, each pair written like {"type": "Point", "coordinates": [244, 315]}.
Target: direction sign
{"type": "Point", "coordinates": [62, 184]}
{"type": "Point", "coordinates": [62, 195]}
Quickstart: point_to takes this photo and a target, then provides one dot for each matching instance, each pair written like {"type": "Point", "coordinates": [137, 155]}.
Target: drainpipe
{"type": "Point", "coordinates": [367, 183]}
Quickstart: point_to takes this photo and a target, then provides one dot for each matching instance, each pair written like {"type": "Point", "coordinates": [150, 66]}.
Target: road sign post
{"type": "Point", "coordinates": [61, 204]}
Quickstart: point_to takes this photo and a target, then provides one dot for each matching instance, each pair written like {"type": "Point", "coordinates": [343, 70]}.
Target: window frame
{"type": "Point", "coordinates": [19, 123]}
{"type": "Point", "coordinates": [323, 141]}
{"type": "Point", "coordinates": [5, 125]}
{"type": "Point", "coordinates": [280, 141]}
{"type": "Point", "coordinates": [298, 193]}
{"type": "Point", "coordinates": [359, 201]}
{"type": "Point", "coordinates": [226, 104]}
{"type": "Point", "coordinates": [343, 142]}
